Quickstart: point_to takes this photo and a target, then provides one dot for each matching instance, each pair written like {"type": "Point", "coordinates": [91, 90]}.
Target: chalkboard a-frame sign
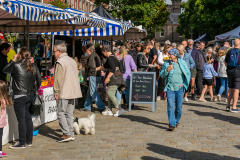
{"type": "Point", "coordinates": [142, 88]}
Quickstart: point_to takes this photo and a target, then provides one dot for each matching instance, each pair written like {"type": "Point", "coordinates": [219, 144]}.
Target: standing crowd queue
{"type": "Point", "coordinates": [182, 69]}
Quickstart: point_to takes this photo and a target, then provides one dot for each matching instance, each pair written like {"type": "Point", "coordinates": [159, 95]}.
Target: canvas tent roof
{"type": "Point", "coordinates": [102, 12]}
{"type": "Point", "coordinates": [235, 33]}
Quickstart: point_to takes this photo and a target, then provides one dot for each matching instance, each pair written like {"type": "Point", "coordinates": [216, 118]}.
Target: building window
{"type": "Point", "coordinates": [83, 9]}
{"type": "Point", "coordinates": [75, 4]}
{"type": "Point", "coordinates": [87, 5]}
{"type": "Point", "coordinates": [91, 7]}
{"type": "Point", "coordinates": [162, 33]}
{"type": "Point", "coordinates": [80, 5]}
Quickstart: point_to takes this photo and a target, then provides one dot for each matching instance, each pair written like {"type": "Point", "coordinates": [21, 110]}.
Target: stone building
{"type": "Point", "coordinates": [82, 5]}
{"type": "Point", "coordinates": [169, 31]}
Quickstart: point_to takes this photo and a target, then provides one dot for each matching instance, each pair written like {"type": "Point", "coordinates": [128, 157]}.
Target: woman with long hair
{"type": "Point", "coordinates": [26, 81]}
{"type": "Point", "coordinates": [161, 81]}
{"type": "Point", "coordinates": [222, 71]}
{"type": "Point", "coordinates": [129, 67]}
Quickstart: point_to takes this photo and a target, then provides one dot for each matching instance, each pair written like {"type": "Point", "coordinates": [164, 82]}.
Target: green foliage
{"type": "Point", "coordinates": [12, 37]}
{"type": "Point", "coordinates": [209, 16]}
{"type": "Point", "coordinates": [59, 4]}
{"type": "Point", "coordinates": [151, 14]}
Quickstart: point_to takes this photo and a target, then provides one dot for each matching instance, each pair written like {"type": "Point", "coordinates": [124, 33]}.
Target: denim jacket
{"type": "Point", "coordinates": [189, 60]}
{"type": "Point", "coordinates": [184, 68]}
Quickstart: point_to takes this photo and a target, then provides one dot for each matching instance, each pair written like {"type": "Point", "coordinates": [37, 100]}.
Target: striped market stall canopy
{"type": "Point", "coordinates": [15, 14]}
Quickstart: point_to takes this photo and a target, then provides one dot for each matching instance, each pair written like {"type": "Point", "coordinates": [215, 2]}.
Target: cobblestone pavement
{"type": "Point", "coordinates": [206, 131]}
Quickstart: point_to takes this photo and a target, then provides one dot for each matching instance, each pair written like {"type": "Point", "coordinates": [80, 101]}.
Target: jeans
{"type": "Point", "coordinates": [224, 85]}
{"type": "Point", "coordinates": [65, 109]}
{"type": "Point", "coordinates": [218, 84]}
{"type": "Point", "coordinates": [25, 125]}
{"type": "Point", "coordinates": [127, 90]}
{"type": "Point", "coordinates": [174, 100]}
{"type": "Point", "coordinates": [112, 99]}
{"type": "Point", "coordinates": [92, 94]}
{"type": "Point", "coordinates": [119, 97]}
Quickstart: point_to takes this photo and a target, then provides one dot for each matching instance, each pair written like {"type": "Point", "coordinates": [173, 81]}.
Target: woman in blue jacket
{"type": "Point", "coordinates": [177, 78]}
{"type": "Point", "coordinates": [190, 62]}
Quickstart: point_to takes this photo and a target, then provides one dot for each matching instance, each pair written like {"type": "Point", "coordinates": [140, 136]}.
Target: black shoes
{"type": "Point", "coordinates": [84, 110]}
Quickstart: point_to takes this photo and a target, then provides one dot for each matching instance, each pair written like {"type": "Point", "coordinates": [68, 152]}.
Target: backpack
{"type": "Point", "coordinates": [37, 50]}
{"type": "Point", "coordinates": [233, 58]}
{"type": "Point", "coordinates": [122, 66]}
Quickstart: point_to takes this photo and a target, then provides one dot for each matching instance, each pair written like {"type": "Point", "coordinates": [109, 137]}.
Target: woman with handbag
{"type": "Point", "coordinates": [114, 80]}
{"type": "Point", "coordinates": [24, 76]}
{"type": "Point", "coordinates": [129, 67]}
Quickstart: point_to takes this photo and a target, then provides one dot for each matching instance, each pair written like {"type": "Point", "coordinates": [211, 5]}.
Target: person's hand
{"type": "Point", "coordinates": [170, 67]}
{"type": "Point", "coordinates": [56, 97]}
{"type": "Point", "coordinates": [106, 80]}
{"type": "Point", "coordinates": [15, 57]}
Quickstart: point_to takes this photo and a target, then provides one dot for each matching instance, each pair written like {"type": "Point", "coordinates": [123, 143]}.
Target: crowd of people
{"type": "Point", "coordinates": [180, 69]}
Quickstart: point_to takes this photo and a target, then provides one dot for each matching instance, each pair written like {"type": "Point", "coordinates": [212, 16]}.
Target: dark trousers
{"type": "Point", "coordinates": [25, 125]}
{"type": "Point", "coordinates": [1, 134]}
{"type": "Point", "coordinates": [161, 85]}
{"type": "Point", "coordinates": [39, 65]}
{"type": "Point", "coordinates": [199, 81]}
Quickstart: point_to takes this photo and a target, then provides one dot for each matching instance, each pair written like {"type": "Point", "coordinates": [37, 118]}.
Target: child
{"type": "Point", "coordinates": [208, 72]}
{"type": "Point", "coordinates": [4, 102]}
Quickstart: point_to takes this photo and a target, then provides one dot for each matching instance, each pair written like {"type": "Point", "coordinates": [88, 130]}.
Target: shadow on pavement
{"type": "Point", "coordinates": [181, 154]}
{"type": "Point", "coordinates": [46, 131]}
{"type": "Point", "coordinates": [208, 105]}
{"type": "Point", "coordinates": [230, 119]}
{"type": "Point", "coordinates": [144, 120]}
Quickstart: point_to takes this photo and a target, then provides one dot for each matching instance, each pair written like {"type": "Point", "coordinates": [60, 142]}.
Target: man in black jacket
{"type": "Point", "coordinates": [4, 49]}
{"type": "Point", "coordinates": [94, 78]}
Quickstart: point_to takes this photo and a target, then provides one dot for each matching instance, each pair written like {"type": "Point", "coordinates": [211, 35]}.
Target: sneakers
{"type": "Point", "coordinates": [72, 138]}
{"type": "Point", "coordinates": [185, 99]}
{"type": "Point", "coordinates": [107, 112]}
{"type": "Point", "coordinates": [119, 112]}
{"type": "Point", "coordinates": [84, 110]}
{"type": "Point", "coordinates": [193, 96]}
{"type": "Point", "coordinates": [65, 138]}
{"type": "Point", "coordinates": [218, 98]}
{"type": "Point", "coordinates": [17, 145]}
{"type": "Point", "coordinates": [99, 111]}
{"type": "Point", "coordinates": [3, 154]}
{"type": "Point", "coordinates": [29, 144]}
{"type": "Point", "coordinates": [171, 128]}
{"type": "Point", "coordinates": [158, 98]}
{"type": "Point", "coordinates": [228, 108]}
{"type": "Point", "coordinates": [235, 110]}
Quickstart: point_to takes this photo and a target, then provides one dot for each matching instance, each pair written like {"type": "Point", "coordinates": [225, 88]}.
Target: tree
{"type": "Point", "coordinates": [151, 14]}
{"type": "Point", "coordinates": [209, 16]}
{"type": "Point", "coordinates": [59, 4]}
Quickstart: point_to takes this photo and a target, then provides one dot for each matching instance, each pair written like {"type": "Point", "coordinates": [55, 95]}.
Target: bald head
{"type": "Point", "coordinates": [236, 43]}
{"type": "Point", "coordinates": [184, 43]}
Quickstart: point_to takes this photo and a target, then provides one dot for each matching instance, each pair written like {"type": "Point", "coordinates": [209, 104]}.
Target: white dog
{"type": "Point", "coordinates": [87, 123]}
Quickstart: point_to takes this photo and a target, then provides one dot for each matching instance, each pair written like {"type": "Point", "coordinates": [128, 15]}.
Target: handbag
{"type": "Point", "coordinates": [36, 106]}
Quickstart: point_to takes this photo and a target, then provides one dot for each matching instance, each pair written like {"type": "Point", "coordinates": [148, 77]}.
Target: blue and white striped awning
{"type": "Point", "coordinates": [15, 13]}
{"type": "Point", "coordinates": [84, 42]}
{"type": "Point", "coordinates": [115, 31]}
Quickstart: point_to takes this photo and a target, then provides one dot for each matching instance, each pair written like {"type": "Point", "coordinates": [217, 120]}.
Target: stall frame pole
{"type": "Point", "coordinates": [73, 42]}
{"type": "Point", "coordinates": [28, 35]}
{"type": "Point", "coordinates": [111, 44]}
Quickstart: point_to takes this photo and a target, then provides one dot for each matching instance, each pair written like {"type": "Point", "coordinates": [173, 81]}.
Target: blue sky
{"type": "Point", "coordinates": [170, 2]}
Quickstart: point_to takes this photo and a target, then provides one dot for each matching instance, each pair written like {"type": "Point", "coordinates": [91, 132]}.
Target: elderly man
{"type": "Point", "coordinates": [193, 52]}
{"type": "Point", "coordinates": [94, 78]}
{"type": "Point", "coordinates": [66, 88]}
